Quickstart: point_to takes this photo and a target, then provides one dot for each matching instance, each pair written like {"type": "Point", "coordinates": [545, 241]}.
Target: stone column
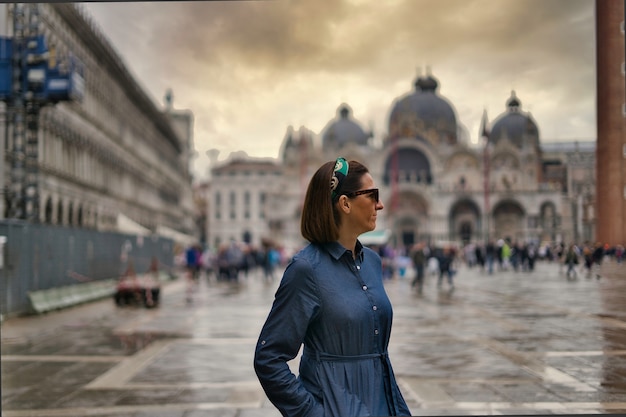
{"type": "Point", "coordinates": [611, 108]}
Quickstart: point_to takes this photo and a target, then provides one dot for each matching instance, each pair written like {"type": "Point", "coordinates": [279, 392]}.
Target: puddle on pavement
{"type": "Point", "coordinates": [613, 322]}
{"type": "Point", "coordinates": [134, 342]}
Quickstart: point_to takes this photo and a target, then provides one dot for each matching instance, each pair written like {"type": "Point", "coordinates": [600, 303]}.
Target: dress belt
{"type": "Point", "coordinates": [323, 356]}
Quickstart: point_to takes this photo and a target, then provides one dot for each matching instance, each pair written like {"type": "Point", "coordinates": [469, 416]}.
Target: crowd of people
{"type": "Point", "coordinates": [230, 260]}
{"type": "Point", "coordinates": [443, 260]}
{"type": "Point", "coordinates": [587, 258]}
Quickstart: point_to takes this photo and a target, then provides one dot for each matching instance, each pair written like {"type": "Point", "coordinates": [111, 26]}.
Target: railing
{"type": "Point", "coordinates": [41, 257]}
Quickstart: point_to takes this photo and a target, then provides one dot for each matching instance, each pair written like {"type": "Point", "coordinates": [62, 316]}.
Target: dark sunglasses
{"type": "Point", "coordinates": [372, 192]}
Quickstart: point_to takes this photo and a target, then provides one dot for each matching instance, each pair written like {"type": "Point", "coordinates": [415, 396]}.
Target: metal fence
{"type": "Point", "coordinates": [39, 256]}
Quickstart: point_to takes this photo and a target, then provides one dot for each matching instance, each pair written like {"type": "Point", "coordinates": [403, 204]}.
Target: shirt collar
{"type": "Point", "coordinates": [337, 250]}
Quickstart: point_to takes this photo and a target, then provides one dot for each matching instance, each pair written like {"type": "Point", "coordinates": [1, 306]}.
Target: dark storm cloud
{"type": "Point", "coordinates": [276, 38]}
{"type": "Point", "coordinates": [329, 35]}
{"type": "Point", "coordinates": [238, 63]}
{"type": "Point", "coordinates": [264, 33]}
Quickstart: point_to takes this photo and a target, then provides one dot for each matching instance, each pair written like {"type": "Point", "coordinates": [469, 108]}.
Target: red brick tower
{"type": "Point", "coordinates": [611, 118]}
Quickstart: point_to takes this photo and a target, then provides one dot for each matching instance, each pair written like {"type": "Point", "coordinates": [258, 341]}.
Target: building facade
{"type": "Point", "coordinates": [112, 161]}
{"type": "Point", "coordinates": [239, 202]}
{"type": "Point", "coordinates": [435, 184]}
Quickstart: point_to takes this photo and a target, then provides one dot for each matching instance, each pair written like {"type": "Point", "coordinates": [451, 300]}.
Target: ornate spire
{"type": "Point", "coordinates": [484, 132]}
{"type": "Point", "coordinates": [513, 103]}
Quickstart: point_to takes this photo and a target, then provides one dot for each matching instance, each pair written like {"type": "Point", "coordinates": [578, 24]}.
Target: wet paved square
{"type": "Point", "coordinates": [507, 344]}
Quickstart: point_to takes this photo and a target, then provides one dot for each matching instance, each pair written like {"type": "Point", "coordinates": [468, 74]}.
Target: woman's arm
{"type": "Point", "coordinates": [296, 303]}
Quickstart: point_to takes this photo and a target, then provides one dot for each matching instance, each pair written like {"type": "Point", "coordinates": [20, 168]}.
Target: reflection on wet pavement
{"type": "Point", "coordinates": [508, 344]}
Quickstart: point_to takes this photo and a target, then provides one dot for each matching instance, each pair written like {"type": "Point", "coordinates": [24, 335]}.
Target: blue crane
{"type": "Point", "coordinates": [32, 76]}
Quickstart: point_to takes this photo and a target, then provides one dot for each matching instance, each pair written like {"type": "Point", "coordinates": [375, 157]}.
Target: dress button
{"type": "Point", "coordinates": [358, 267]}
{"type": "Point", "coordinates": [374, 308]}
{"type": "Point", "coordinates": [376, 331]}
{"type": "Point", "coordinates": [263, 342]}
{"type": "Point", "coordinates": [365, 288]}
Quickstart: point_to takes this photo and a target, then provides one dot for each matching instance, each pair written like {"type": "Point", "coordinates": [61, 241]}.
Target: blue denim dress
{"type": "Point", "coordinates": [337, 306]}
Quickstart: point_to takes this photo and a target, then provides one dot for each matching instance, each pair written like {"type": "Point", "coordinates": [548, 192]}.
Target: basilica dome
{"type": "Point", "coordinates": [343, 130]}
{"type": "Point", "coordinates": [423, 110]}
{"type": "Point", "coordinates": [515, 125]}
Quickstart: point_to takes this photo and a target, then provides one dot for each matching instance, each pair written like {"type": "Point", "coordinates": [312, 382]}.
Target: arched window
{"type": "Point", "coordinates": [48, 211]}
{"type": "Point", "coordinates": [79, 217]}
{"type": "Point", "coordinates": [70, 214]}
{"type": "Point", "coordinates": [408, 165]}
{"type": "Point", "coordinates": [60, 212]}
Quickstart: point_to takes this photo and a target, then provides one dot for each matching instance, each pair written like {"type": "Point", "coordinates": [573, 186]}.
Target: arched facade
{"type": "Point", "coordinates": [465, 221]}
{"type": "Point", "coordinates": [436, 186]}
{"type": "Point", "coordinates": [112, 153]}
{"type": "Point", "coordinates": [508, 218]}
{"type": "Point", "coordinates": [408, 165]}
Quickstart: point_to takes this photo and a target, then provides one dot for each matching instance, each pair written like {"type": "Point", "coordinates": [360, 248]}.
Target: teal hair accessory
{"type": "Point", "coordinates": [339, 173]}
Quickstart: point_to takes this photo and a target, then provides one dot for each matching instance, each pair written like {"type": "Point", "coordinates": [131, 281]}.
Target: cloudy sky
{"type": "Point", "coordinates": [249, 69]}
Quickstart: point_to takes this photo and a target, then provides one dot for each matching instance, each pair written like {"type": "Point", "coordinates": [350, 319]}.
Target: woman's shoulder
{"type": "Point", "coordinates": [301, 271]}
{"type": "Point", "coordinates": [305, 258]}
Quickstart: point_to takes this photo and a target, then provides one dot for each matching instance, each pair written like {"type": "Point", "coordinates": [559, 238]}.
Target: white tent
{"type": "Point", "coordinates": [126, 225]}
{"type": "Point", "coordinates": [176, 236]}
{"type": "Point", "coordinates": [375, 237]}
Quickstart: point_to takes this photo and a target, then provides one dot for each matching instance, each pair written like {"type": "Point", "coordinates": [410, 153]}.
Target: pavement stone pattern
{"type": "Point", "coordinates": [511, 343]}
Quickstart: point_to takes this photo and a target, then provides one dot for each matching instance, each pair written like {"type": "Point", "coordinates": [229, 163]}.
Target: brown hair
{"type": "Point", "coordinates": [320, 217]}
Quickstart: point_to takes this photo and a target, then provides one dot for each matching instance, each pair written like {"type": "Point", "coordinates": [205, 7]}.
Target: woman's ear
{"type": "Point", "coordinates": [344, 204]}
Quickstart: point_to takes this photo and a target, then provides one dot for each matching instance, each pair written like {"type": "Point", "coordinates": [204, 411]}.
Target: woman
{"type": "Point", "coordinates": [332, 300]}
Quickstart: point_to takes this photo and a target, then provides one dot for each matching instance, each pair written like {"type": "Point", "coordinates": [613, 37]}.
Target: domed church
{"type": "Point", "coordinates": [436, 186]}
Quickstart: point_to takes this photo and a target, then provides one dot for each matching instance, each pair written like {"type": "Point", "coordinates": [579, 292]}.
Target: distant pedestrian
{"type": "Point", "coordinates": [418, 257]}
{"type": "Point", "coordinates": [234, 258]}
{"type": "Point", "coordinates": [571, 260]}
{"type": "Point", "coordinates": [559, 253]}
{"type": "Point", "coordinates": [531, 256]}
{"type": "Point", "coordinates": [151, 283]}
{"type": "Point", "coordinates": [588, 259]}
{"type": "Point", "coordinates": [192, 256]}
{"type": "Point", "coordinates": [271, 258]}
{"type": "Point", "coordinates": [516, 257]}
{"type": "Point", "coordinates": [209, 264]}
{"type": "Point", "coordinates": [128, 288]}
{"type": "Point", "coordinates": [490, 256]}
{"type": "Point", "coordinates": [479, 254]}
{"type": "Point", "coordinates": [469, 252]}
{"type": "Point", "coordinates": [597, 257]}
{"type": "Point", "coordinates": [445, 259]}
{"type": "Point", "coordinates": [432, 264]}
{"type": "Point", "coordinates": [505, 255]}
